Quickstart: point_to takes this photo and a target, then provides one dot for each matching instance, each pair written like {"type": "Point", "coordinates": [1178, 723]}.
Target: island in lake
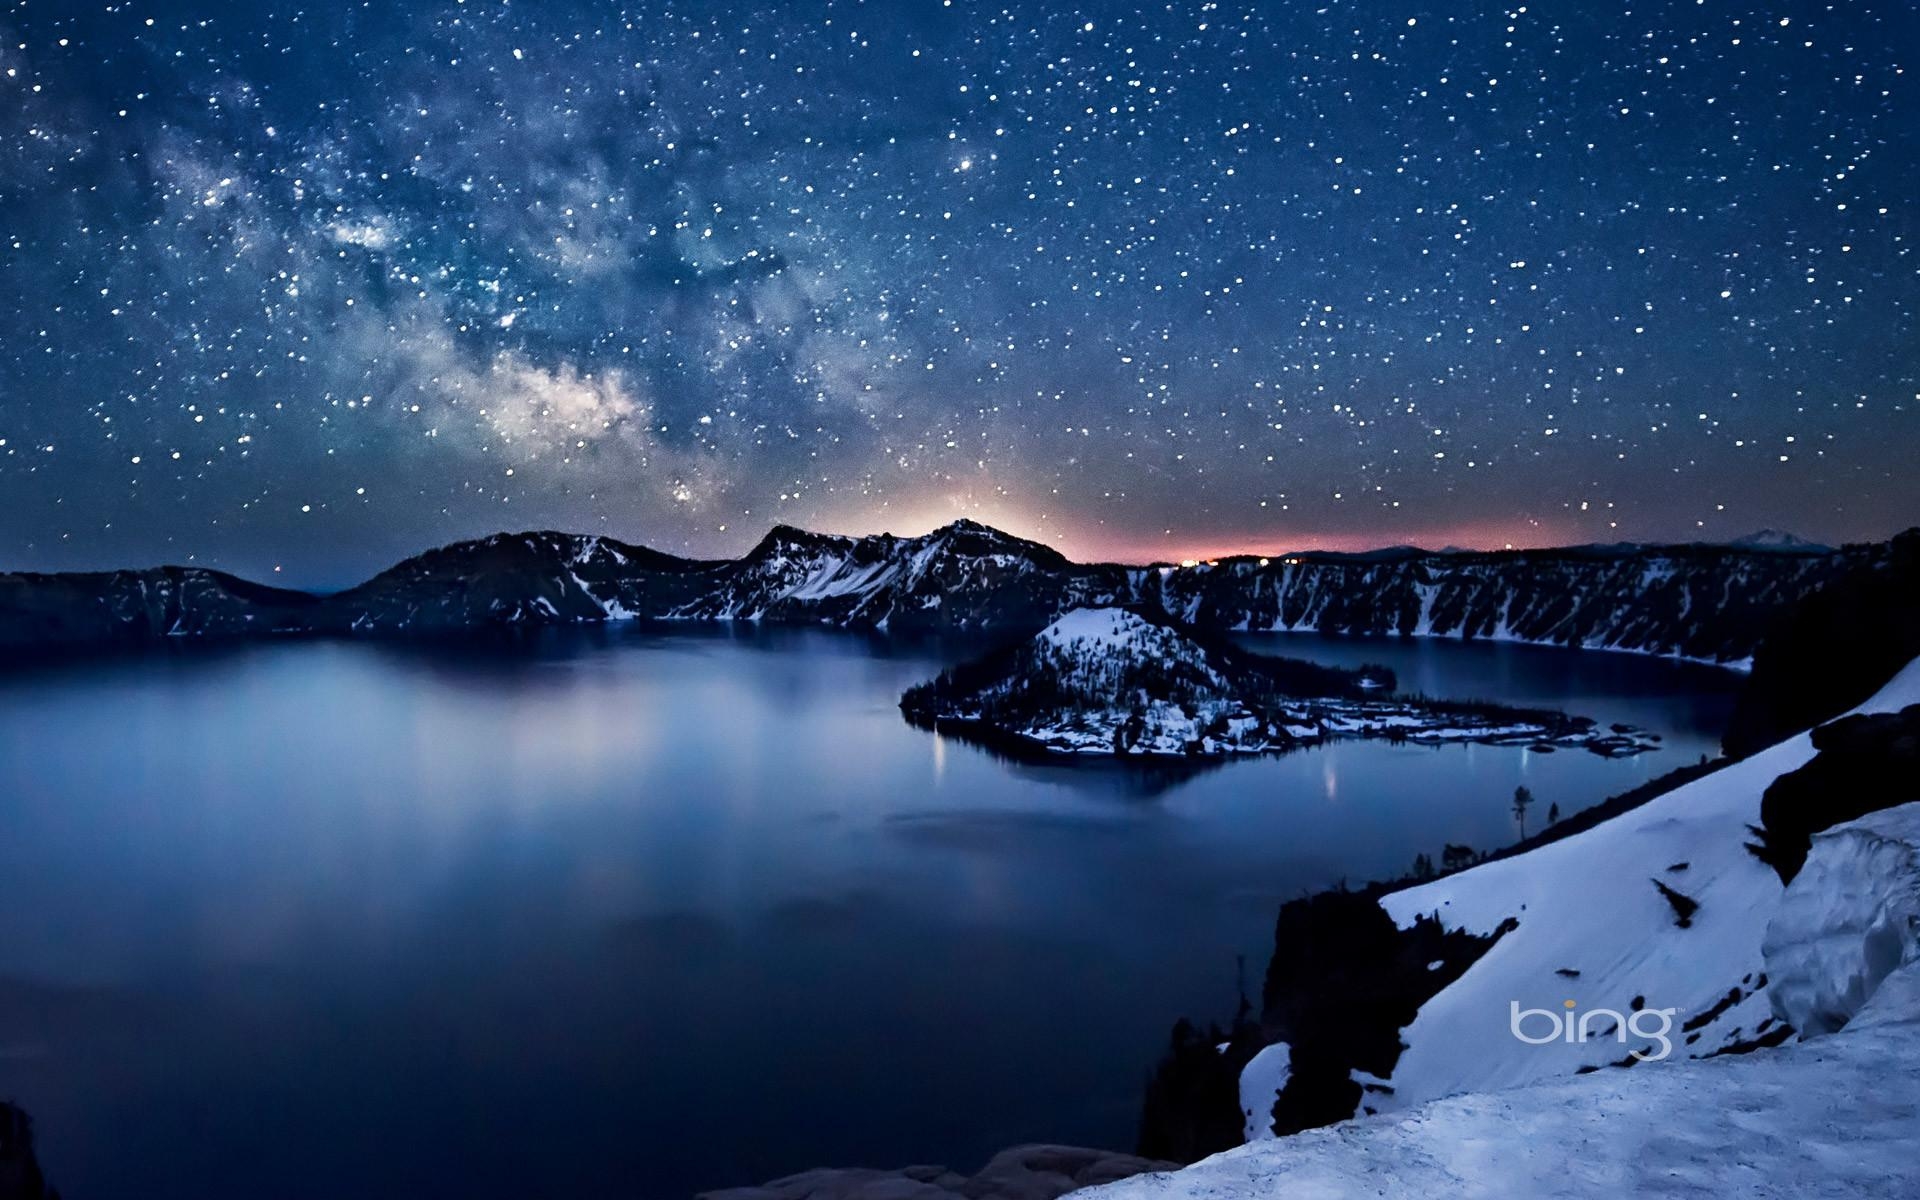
{"type": "Point", "coordinates": [1120, 682]}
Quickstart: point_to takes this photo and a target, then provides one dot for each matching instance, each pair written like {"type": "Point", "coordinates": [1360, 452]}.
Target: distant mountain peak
{"type": "Point", "coordinates": [786, 537]}
{"type": "Point", "coordinates": [968, 524]}
{"type": "Point", "coordinates": [967, 536]}
{"type": "Point", "coordinates": [1776, 539]}
{"type": "Point", "coordinates": [781, 531]}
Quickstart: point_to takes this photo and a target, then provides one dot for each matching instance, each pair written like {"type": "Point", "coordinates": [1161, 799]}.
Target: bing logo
{"type": "Point", "coordinates": [1651, 1024]}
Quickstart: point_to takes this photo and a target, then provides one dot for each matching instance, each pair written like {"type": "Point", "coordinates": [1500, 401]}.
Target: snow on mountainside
{"type": "Point", "coordinates": [1592, 925]}
{"type": "Point", "coordinates": [1705, 602]}
{"type": "Point", "coordinates": [960, 576]}
{"type": "Point", "coordinates": [535, 578]}
{"type": "Point", "coordinates": [1111, 681]}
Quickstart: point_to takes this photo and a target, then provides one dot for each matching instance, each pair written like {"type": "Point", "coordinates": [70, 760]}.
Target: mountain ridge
{"type": "Point", "coordinates": [1699, 601]}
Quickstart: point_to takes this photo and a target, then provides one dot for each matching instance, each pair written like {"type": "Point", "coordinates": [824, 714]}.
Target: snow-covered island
{"type": "Point", "coordinates": [1117, 682]}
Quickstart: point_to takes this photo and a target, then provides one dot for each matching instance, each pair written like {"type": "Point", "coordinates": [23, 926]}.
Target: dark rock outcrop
{"type": "Point", "coordinates": [1343, 982]}
{"type": "Point", "coordinates": [1832, 651]}
{"type": "Point", "coordinates": [1192, 1106]}
{"type": "Point", "coordinates": [1865, 763]}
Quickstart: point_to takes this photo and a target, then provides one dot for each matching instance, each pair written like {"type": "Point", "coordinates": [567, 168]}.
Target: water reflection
{"type": "Point", "coordinates": [642, 910]}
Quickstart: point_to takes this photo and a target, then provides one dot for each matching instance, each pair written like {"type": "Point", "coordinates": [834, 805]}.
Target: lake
{"type": "Point", "coordinates": [625, 912]}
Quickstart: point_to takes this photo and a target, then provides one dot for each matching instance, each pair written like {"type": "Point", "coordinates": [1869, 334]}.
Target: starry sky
{"type": "Point", "coordinates": [297, 288]}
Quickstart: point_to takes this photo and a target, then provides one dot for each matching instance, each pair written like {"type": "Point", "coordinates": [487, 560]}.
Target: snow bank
{"type": "Point", "coordinates": [1848, 921]}
{"type": "Point", "coordinates": [1107, 629]}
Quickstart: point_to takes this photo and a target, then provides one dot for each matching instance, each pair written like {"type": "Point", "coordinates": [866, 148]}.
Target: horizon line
{"type": "Point", "coordinates": [1160, 563]}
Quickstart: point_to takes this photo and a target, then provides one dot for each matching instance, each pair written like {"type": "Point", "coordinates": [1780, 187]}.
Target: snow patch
{"type": "Point", "coordinates": [1849, 920]}
{"type": "Point", "coordinates": [1260, 1083]}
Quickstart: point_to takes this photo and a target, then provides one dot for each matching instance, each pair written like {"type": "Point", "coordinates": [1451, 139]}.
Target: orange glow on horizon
{"type": "Point", "coordinates": [1099, 547]}
{"type": "Point", "coordinates": [1113, 546]}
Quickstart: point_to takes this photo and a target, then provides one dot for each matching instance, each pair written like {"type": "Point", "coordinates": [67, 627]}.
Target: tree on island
{"type": "Point", "coordinates": [1522, 801]}
{"type": "Point", "coordinates": [1553, 813]}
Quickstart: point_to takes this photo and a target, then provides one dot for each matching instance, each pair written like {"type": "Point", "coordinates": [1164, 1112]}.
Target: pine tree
{"type": "Point", "coordinates": [1522, 801]}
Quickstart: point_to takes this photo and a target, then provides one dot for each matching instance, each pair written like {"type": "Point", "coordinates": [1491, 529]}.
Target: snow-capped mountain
{"type": "Point", "coordinates": [1779, 539]}
{"type": "Point", "coordinates": [1112, 681]}
{"type": "Point", "coordinates": [961, 576]}
{"type": "Point", "coordinates": [1706, 602]}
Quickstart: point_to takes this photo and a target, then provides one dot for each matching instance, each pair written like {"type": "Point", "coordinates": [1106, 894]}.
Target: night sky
{"type": "Point", "coordinates": [307, 287]}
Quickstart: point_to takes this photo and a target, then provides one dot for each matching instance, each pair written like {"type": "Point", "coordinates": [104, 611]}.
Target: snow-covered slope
{"type": "Point", "coordinates": [1589, 904]}
{"type": "Point", "coordinates": [1832, 1115]}
{"type": "Point", "coordinates": [1642, 933]}
{"type": "Point", "coordinates": [1837, 1117]}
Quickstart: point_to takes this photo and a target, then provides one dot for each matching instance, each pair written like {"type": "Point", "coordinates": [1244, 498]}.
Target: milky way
{"type": "Point", "coordinates": [307, 287]}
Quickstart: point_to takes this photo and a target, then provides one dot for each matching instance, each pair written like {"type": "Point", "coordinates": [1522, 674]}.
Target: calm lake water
{"type": "Point", "coordinates": [619, 913]}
